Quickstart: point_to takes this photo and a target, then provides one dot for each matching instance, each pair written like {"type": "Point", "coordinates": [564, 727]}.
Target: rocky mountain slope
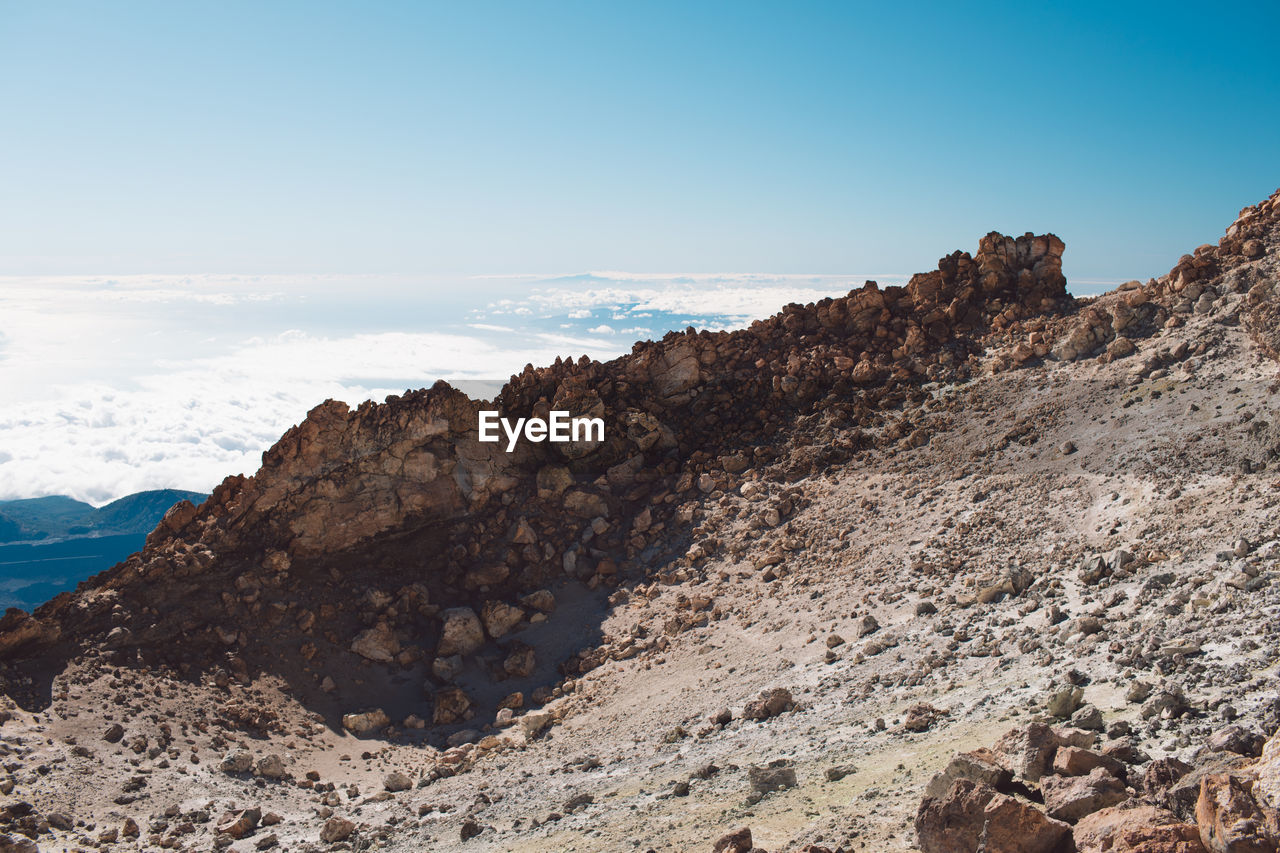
{"type": "Point", "coordinates": [810, 562]}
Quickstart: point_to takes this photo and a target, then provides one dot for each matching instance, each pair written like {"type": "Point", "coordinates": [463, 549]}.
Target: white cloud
{"type": "Point", "coordinates": [188, 422]}
{"type": "Point", "coordinates": [114, 385]}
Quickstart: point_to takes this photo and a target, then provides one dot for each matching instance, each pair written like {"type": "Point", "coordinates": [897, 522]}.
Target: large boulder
{"type": "Point", "coordinates": [1074, 761]}
{"type": "Point", "coordinates": [336, 829]}
{"type": "Point", "coordinates": [1141, 829]}
{"type": "Point", "coordinates": [500, 618]}
{"type": "Point", "coordinates": [378, 643]}
{"type": "Point", "coordinates": [1011, 825]}
{"type": "Point", "coordinates": [1230, 819]}
{"type": "Point", "coordinates": [980, 765]}
{"type": "Point", "coordinates": [1072, 797]}
{"type": "Point", "coordinates": [366, 722]}
{"type": "Point", "coordinates": [953, 823]}
{"type": "Point", "coordinates": [972, 817]}
{"type": "Point", "coordinates": [1027, 750]}
{"type": "Point", "coordinates": [1267, 788]}
{"type": "Point", "coordinates": [461, 632]}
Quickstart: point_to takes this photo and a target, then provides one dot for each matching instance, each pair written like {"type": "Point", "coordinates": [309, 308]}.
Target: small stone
{"type": "Point", "coordinates": [766, 780]}
{"type": "Point", "coordinates": [236, 761]}
{"type": "Point", "coordinates": [271, 767]}
{"type": "Point", "coordinates": [240, 823]}
{"type": "Point", "coordinates": [366, 722]}
{"type": "Point", "coordinates": [738, 841]}
{"type": "Point", "coordinates": [770, 704]}
{"type": "Point", "coordinates": [835, 774]}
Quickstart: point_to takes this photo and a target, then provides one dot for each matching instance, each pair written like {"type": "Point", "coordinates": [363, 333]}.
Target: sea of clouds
{"type": "Point", "coordinates": [112, 385]}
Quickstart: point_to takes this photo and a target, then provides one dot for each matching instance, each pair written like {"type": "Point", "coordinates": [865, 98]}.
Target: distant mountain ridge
{"type": "Point", "coordinates": [59, 517]}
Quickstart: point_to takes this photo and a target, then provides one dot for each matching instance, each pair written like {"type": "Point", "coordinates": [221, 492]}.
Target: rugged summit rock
{"type": "Point", "coordinates": [386, 529]}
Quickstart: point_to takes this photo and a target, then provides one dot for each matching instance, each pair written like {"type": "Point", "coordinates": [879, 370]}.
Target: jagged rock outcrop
{"type": "Point", "coordinates": [349, 494]}
{"type": "Point", "coordinates": [368, 531]}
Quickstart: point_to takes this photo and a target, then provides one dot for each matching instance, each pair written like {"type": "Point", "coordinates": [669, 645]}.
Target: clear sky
{"type": "Point", "coordinates": [214, 215]}
{"type": "Point", "coordinates": [481, 137]}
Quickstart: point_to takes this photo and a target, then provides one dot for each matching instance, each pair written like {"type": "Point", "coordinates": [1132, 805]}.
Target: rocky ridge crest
{"type": "Point", "coordinates": [685, 416]}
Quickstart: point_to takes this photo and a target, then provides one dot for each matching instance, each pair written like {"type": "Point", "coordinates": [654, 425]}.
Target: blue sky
{"type": "Point", "coordinates": [215, 215]}
{"type": "Point", "coordinates": [467, 138]}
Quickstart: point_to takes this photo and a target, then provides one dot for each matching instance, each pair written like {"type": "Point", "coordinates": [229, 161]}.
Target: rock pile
{"type": "Point", "coordinates": [1041, 789]}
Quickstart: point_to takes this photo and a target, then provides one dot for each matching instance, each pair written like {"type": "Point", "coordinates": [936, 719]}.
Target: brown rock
{"type": "Point", "coordinates": [553, 480]}
{"type": "Point", "coordinates": [541, 599]}
{"type": "Point", "coordinates": [396, 781]}
{"type": "Point", "coordinates": [920, 717]}
{"type": "Point", "coordinates": [452, 706]}
{"type": "Point", "coordinates": [238, 824]}
{"type": "Point", "coordinates": [585, 504]}
{"type": "Point", "coordinates": [1181, 797]}
{"type": "Point", "coordinates": [461, 632]}
{"type": "Point", "coordinates": [1129, 830]}
{"type": "Point", "coordinates": [1162, 774]}
{"type": "Point", "coordinates": [979, 765]}
{"type": "Point", "coordinates": [378, 643]}
{"type": "Point", "coordinates": [1013, 826]}
{"type": "Point", "coordinates": [366, 722]}
{"type": "Point", "coordinates": [336, 829]}
{"type": "Point", "coordinates": [954, 823]}
{"type": "Point", "coordinates": [1072, 797]}
{"type": "Point", "coordinates": [499, 618]}
{"type": "Point", "coordinates": [1237, 739]}
{"type": "Point", "coordinates": [738, 841]}
{"type": "Point", "coordinates": [18, 844]}
{"type": "Point", "coordinates": [1229, 818]}
{"type": "Point", "coordinates": [1267, 788]}
{"type": "Point", "coordinates": [1028, 750]}
{"type": "Point", "coordinates": [770, 704]}
{"type": "Point", "coordinates": [491, 575]}
{"type": "Point", "coordinates": [1073, 761]}
{"type": "Point", "coordinates": [520, 661]}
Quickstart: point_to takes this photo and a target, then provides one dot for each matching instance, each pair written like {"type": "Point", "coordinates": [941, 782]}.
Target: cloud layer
{"type": "Point", "coordinates": [117, 385]}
